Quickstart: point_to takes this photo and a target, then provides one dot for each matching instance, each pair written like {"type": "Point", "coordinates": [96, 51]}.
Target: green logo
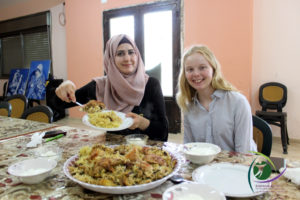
{"type": "Point", "coordinates": [262, 170]}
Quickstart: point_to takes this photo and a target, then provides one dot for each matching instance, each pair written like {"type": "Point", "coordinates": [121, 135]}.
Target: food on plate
{"type": "Point", "coordinates": [93, 106]}
{"type": "Point", "coordinates": [105, 119]}
{"type": "Point", "coordinates": [32, 172]}
{"type": "Point", "coordinates": [123, 165]}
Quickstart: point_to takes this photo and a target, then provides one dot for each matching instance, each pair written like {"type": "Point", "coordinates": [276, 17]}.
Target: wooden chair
{"type": "Point", "coordinates": [5, 108]}
{"type": "Point", "coordinates": [262, 135]}
{"type": "Point", "coordinates": [40, 113]}
{"type": "Point", "coordinates": [4, 91]}
{"type": "Point", "coordinates": [272, 98]}
{"type": "Point", "coordinates": [18, 103]}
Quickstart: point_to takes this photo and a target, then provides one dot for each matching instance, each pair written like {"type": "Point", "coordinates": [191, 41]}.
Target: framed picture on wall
{"type": "Point", "coordinates": [38, 75]}
{"type": "Point", "coordinates": [17, 81]}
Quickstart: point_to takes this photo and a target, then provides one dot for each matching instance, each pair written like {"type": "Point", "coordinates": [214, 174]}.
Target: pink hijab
{"type": "Point", "coordinates": [116, 90]}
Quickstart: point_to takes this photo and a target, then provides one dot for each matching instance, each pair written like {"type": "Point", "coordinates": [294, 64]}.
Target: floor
{"type": "Point", "coordinates": [293, 148]}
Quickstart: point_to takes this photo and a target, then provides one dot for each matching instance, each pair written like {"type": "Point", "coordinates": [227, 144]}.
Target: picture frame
{"type": "Point", "coordinates": [17, 81]}
{"type": "Point", "coordinates": [38, 75]}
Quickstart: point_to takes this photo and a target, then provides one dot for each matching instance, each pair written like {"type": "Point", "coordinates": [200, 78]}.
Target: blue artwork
{"type": "Point", "coordinates": [17, 81]}
{"type": "Point", "coordinates": [38, 75]}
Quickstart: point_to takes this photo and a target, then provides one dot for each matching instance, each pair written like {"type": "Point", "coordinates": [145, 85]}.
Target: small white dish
{"type": "Point", "coordinates": [49, 152]}
{"type": "Point", "coordinates": [231, 179]}
{"type": "Point", "coordinates": [32, 171]}
{"type": "Point", "coordinates": [189, 191]}
{"type": "Point", "coordinates": [201, 152]}
{"type": "Point", "coordinates": [126, 122]}
{"type": "Point", "coordinates": [137, 139]}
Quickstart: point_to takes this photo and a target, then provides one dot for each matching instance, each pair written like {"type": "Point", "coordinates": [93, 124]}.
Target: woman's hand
{"type": "Point", "coordinates": [138, 121]}
{"type": "Point", "coordinates": [66, 91]}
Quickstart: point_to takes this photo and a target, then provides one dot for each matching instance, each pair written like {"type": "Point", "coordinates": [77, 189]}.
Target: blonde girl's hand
{"type": "Point", "coordinates": [66, 91]}
{"type": "Point", "coordinates": [138, 121]}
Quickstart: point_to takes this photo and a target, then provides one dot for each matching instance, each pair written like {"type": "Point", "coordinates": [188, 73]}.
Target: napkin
{"type": "Point", "coordinates": [36, 139]}
{"type": "Point", "coordinates": [292, 174]}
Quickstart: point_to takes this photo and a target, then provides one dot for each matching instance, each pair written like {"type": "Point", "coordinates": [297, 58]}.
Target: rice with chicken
{"type": "Point", "coordinates": [105, 119]}
{"type": "Point", "coordinates": [122, 165]}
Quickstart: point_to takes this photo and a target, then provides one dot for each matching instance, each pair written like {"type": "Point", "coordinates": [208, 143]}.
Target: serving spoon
{"type": "Point", "coordinates": [177, 179]}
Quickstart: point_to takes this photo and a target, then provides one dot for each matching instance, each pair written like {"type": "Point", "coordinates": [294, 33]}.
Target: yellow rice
{"type": "Point", "coordinates": [123, 165]}
{"type": "Point", "coordinates": [105, 119]}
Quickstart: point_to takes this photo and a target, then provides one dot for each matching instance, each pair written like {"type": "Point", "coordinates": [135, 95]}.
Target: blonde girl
{"type": "Point", "coordinates": [214, 111]}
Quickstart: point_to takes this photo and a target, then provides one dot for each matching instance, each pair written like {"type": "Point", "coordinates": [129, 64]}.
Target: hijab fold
{"type": "Point", "coordinates": [118, 91]}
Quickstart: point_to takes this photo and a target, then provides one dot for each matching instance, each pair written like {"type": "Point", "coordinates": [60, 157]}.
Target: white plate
{"type": "Point", "coordinates": [192, 191]}
{"type": "Point", "coordinates": [126, 122]}
{"type": "Point", "coordinates": [120, 189]}
{"type": "Point", "coordinates": [231, 179]}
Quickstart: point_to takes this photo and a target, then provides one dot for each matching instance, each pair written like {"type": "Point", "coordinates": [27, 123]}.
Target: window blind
{"type": "Point", "coordinates": [23, 40]}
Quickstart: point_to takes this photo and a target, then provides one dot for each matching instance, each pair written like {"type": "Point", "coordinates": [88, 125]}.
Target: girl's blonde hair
{"type": "Point", "coordinates": [185, 92]}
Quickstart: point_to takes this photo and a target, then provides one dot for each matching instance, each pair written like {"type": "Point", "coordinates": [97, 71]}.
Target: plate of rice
{"type": "Point", "coordinates": [121, 169]}
{"type": "Point", "coordinates": [107, 120]}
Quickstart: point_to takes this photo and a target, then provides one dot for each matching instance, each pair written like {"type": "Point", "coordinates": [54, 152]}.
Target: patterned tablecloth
{"type": "Point", "coordinates": [12, 127]}
{"type": "Point", "coordinates": [58, 186]}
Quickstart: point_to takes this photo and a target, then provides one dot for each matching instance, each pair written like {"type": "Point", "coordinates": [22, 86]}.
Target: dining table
{"type": "Point", "coordinates": [58, 186]}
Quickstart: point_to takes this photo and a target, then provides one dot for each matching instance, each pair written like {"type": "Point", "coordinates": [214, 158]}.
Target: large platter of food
{"type": "Point", "coordinates": [107, 120]}
{"type": "Point", "coordinates": [121, 169]}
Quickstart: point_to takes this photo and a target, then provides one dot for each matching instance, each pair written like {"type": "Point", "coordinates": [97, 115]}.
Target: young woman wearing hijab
{"type": "Point", "coordinates": [214, 111]}
{"type": "Point", "coordinates": [125, 88]}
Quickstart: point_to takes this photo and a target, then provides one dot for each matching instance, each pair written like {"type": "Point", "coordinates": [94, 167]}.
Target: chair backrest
{"type": "Point", "coordinates": [5, 108]}
{"type": "Point", "coordinates": [18, 103]}
{"type": "Point", "coordinates": [4, 90]}
{"type": "Point", "coordinates": [155, 72]}
{"type": "Point", "coordinates": [262, 135]}
{"type": "Point", "coordinates": [40, 113]}
{"type": "Point", "coordinates": [272, 95]}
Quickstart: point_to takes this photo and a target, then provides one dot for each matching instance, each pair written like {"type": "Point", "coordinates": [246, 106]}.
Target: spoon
{"type": "Point", "coordinates": [78, 103]}
{"type": "Point", "coordinates": [177, 179]}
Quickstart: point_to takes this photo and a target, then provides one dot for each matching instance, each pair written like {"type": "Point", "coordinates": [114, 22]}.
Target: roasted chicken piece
{"type": "Point", "coordinates": [155, 159]}
{"type": "Point", "coordinates": [93, 106]}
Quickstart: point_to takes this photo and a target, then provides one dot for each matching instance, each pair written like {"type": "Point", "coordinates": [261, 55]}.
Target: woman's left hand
{"type": "Point", "coordinates": [138, 121]}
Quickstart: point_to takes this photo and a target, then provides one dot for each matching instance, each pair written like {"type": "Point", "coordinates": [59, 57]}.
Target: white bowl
{"type": "Point", "coordinates": [49, 152]}
{"type": "Point", "coordinates": [187, 191]}
{"type": "Point", "coordinates": [137, 139]}
{"type": "Point", "coordinates": [32, 171]}
{"type": "Point", "coordinates": [200, 152]}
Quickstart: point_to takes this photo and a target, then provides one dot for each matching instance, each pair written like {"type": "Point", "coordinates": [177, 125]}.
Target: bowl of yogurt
{"type": "Point", "coordinates": [200, 152]}
{"type": "Point", "coordinates": [32, 171]}
{"type": "Point", "coordinates": [137, 139]}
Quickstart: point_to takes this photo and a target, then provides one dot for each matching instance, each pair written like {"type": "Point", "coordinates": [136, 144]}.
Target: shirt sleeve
{"type": "Point", "coordinates": [188, 134]}
{"type": "Point", "coordinates": [243, 128]}
{"type": "Point", "coordinates": [153, 108]}
{"type": "Point", "coordinates": [83, 95]}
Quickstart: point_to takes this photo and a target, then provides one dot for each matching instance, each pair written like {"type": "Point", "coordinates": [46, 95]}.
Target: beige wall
{"type": "Point", "coordinates": [276, 50]}
{"type": "Point", "coordinates": [26, 7]}
{"type": "Point", "coordinates": [226, 27]}
{"type": "Point", "coordinates": [58, 42]}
